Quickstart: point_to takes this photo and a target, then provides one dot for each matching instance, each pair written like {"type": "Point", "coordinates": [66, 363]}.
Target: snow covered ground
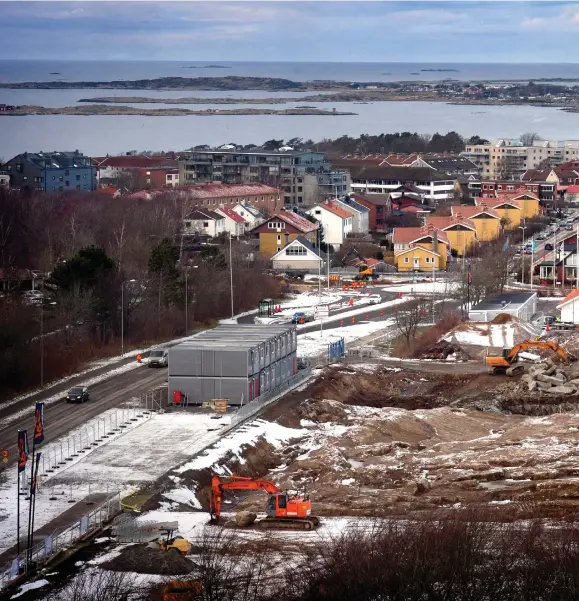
{"type": "Point", "coordinates": [313, 344]}
{"type": "Point", "coordinates": [490, 334]}
{"type": "Point", "coordinates": [440, 286]}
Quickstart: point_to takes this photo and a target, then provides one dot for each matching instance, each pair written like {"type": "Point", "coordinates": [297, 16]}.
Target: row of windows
{"type": "Point", "coordinates": [426, 260]}
{"type": "Point", "coordinates": [274, 225]}
{"type": "Point", "coordinates": [295, 251]}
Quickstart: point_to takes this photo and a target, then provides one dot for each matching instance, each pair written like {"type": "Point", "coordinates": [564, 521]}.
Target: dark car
{"type": "Point", "coordinates": [302, 317]}
{"type": "Point", "coordinates": [548, 247]}
{"type": "Point", "coordinates": [78, 394]}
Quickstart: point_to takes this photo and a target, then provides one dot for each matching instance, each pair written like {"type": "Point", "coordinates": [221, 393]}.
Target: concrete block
{"type": "Point", "coordinates": [553, 380]}
{"type": "Point", "coordinates": [533, 384]}
{"type": "Point", "coordinates": [561, 390]}
{"type": "Point", "coordinates": [544, 385]}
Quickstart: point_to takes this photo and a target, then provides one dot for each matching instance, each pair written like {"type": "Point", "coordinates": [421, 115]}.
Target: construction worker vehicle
{"type": "Point", "coordinates": [283, 510]}
{"type": "Point", "coordinates": [508, 361]}
{"type": "Point", "coordinates": [169, 542]}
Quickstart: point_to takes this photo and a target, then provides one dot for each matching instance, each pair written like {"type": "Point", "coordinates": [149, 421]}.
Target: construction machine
{"type": "Point", "coordinates": [508, 361]}
{"type": "Point", "coordinates": [169, 542]}
{"type": "Point", "coordinates": [283, 510]}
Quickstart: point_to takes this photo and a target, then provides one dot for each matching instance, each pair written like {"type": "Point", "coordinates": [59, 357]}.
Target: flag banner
{"type": "Point", "coordinates": [15, 567]}
{"type": "Point", "coordinates": [35, 473]}
{"type": "Point", "coordinates": [39, 423]}
{"type": "Point", "coordinates": [22, 450]}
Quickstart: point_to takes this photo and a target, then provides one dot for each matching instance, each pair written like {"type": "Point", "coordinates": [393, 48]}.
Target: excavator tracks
{"type": "Point", "coordinates": [310, 523]}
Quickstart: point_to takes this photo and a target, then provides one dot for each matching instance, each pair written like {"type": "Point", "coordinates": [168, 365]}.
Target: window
{"type": "Point", "coordinates": [427, 260]}
{"type": "Point", "coordinates": [169, 176]}
{"type": "Point", "coordinates": [53, 188]}
{"type": "Point", "coordinates": [406, 260]}
{"type": "Point", "coordinates": [278, 239]}
{"type": "Point", "coordinates": [78, 178]}
{"type": "Point", "coordinates": [300, 189]}
{"type": "Point", "coordinates": [19, 167]}
{"type": "Point", "coordinates": [60, 178]}
{"type": "Point", "coordinates": [67, 183]}
{"type": "Point", "coordinates": [296, 251]}
{"type": "Point", "coordinates": [206, 224]}
{"type": "Point", "coordinates": [25, 178]}
{"type": "Point", "coordinates": [85, 187]}
{"type": "Point", "coordinates": [187, 224]}
{"type": "Point", "coordinates": [53, 178]}
{"type": "Point", "coordinates": [300, 199]}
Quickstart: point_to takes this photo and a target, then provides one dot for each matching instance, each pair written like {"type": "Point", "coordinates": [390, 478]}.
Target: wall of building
{"type": "Point", "coordinates": [487, 228]}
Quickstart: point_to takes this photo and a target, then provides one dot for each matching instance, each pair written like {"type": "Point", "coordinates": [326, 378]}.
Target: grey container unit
{"type": "Point", "coordinates": [234, 345]}
{"type": "Point", "coordinates": [233, 337]}
{"type": "Point", "coordinates": [199, 390]}
{"type": "Point", "coordinates": [284, 338]}
{"type": "Point", "coordinates": [214, 359]}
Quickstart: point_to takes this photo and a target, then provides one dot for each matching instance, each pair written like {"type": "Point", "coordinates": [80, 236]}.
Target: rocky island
{"type": "Point", "coordinates": [108, 109]}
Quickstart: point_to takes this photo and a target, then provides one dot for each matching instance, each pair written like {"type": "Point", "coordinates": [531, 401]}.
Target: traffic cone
{"type": "Point", "coordinates": [548, 328]}
{"type": "Point", "coordinates": [353, 320]}
{"type": "Point", "coordinates": [367, 316]}
{"type": "Point", "coordinates": [139, 358]}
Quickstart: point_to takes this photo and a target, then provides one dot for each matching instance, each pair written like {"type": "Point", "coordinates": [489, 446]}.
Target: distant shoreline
{"type": "Point", "coordinates": [108, 109]}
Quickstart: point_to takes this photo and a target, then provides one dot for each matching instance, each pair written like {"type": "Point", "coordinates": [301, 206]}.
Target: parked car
{"type": "Point", "coordinates": [374, 299]}
{"type": "Point", "coordinates": [302, 317]}
{"type": "Point", "coordinates": [159, 358]}
{"type": "Point", "coordinates": [548, 247]}
{"type": "Point", "coordinates": [78, 394]}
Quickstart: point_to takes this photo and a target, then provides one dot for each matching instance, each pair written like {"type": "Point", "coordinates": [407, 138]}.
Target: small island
{"type": "Point", "coordinates": [206, 67]}
{"type": "Point", "coordinates": [55, 73]}
{"type": "Point", "coordinates": [440, 70]}
{"type": "Point", "coordinates": [108, 109]}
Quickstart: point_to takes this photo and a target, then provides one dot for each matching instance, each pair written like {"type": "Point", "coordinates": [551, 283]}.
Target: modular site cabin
{"type": "Point", "coordinates": [236, 362]}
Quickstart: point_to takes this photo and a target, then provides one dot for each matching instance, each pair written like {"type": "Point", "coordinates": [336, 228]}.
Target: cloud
{"type": "Point", "coordinates": [566, 20]}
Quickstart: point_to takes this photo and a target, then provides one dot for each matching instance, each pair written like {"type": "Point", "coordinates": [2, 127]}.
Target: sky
{"type": "Point", "coordinates": [357, 31]}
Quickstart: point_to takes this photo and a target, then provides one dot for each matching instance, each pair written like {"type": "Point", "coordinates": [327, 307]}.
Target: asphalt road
{"type": "Point", "coordinates": [60, 416]}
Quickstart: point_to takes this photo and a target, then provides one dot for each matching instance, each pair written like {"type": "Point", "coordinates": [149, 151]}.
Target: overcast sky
{"type": "Point", "coordinates": [402, 31]}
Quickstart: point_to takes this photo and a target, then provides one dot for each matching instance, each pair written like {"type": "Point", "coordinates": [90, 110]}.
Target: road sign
{"type": "Point", "coordinates": [5, 453]}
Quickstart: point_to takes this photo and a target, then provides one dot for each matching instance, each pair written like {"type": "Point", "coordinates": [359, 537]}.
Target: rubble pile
{"type": "Point", "coordinates": [551, 378]}
{"type": "Point", "coordinates": [444, 350]}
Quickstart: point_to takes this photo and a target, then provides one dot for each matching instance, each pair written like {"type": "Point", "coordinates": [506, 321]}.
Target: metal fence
{"type": "Point", "coordinates": [62, 539]}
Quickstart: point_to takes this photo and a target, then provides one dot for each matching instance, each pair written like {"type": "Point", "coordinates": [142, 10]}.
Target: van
{"type": "Point", "coordinates": [159, 358]}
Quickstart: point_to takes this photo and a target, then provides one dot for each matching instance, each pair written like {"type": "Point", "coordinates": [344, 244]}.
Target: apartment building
{"type": "Point", "coordinates": [435, 186]}
{"type": "Point", "coordinates": [304, 177]}
{"type": "Point", "coordinates": [509, 159]}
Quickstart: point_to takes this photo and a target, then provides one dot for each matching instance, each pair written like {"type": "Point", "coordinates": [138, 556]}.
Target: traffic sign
{"type": "Point", "coordinates": [5, 453]}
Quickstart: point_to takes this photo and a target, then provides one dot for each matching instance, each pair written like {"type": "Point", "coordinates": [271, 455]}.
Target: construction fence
{"type": "Point", "coordinates": [63, 539]}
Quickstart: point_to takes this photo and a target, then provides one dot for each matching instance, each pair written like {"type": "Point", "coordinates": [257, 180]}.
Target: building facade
{"type": "Point", "coordinates": [299, 254]}
{"type": "Point", "coordinates": [379, 207]}
{"type": "Point", "coordinates": [52, 172]}
{"type": "Point", "coordinates": [304, 177]}
{"type": "Point", "coordinates": [280, 229]}
{"type": "Point", "coordinates": [265, 198]}
{"type": "Point", "coordinates": [207, 223]}
{"type": "Point", "coordinates": [336, 222]}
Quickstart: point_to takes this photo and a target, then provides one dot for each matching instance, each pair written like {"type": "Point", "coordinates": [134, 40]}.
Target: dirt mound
{"type": "Point", "coordinates": [145, 560]}
{"type": "Point", "coordinates": [443, 349]}
{"type": "Point", "coordinates": [502, 318]}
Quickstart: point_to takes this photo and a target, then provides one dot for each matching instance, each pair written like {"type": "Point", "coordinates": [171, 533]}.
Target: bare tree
{"type": "Point", "coordinates": [528, 138]}
{"type": "Point", "coordinates": [407, 318]}
{"type": "Point", "coordinates": [95, 584]}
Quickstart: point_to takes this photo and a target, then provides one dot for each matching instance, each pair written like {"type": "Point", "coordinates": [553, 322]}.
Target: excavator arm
{"type": "Point", "coordinates": [540, 344]}
{"type": "Point", "coordinates": [234, 483]}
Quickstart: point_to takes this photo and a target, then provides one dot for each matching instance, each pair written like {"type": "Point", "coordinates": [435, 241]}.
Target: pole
{"type": "Point", "coordinates": [231, 274]}
{"type": "Point", "coordinates": [186, 301]}
{"type": "Point", "coordinates": [523, 267]}
{"type": "Point", "coordinates": [532, 263]}
{"type": "Point", "coordinates": [34, 474]}
{"type": "Point", "coordinates": [320, 268]}
{"type": "Point", "coordinates": [41, 343]}
{"type": "Point", "coordinates": [18, 511]}
{"type": "Point", "coordinates": [555, 260]}
{"type": "Point", "coordinates": [328, 267]}
{"type": "Point", "coordinates": [122, 319]}
{"type": "Point", "coordinates": [29, 533]}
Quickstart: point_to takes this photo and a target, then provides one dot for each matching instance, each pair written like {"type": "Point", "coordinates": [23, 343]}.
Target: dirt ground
{"type": "Point", "coordinates": [396, 442]}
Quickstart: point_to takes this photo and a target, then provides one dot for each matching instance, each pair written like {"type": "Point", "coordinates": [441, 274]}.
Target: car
{"type": "Point", "coordinates": [302, 317]}
{"type": "Point", "coordinates": [540, 238]}
{"type": "Point", "coordinates": [548, 247]}
{"type": "Point", "coordinates": [374, 299]}
{"type": "Point", "coordinates": [78, 394]}
{"type": "Point", "coordinates": [159, 358]}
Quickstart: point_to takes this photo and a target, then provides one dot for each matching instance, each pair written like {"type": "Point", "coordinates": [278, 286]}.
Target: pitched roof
{"type": "Point", "coordinates": [535, 175]}
{"type": "Point", "coordinates": [514, 195]}
{"type": "Point", "coordinates": [414, 247]}
{"type": "Point", "coordinates": [572, 295]}
{"type": "Point", "coordinates": [406, 235]}
{"type": "Point", "coordinates": [471, 211]}
{"type": "Point", "coordinates": [402, 174]}
{"type": "Point", "coordinates": [250, 209]}
{"type": "Point", "coordinates": [414, 208]}
{"type": "Point", "coordinates": [55, 159]}
{"type": "Point", "coordinates": [448, 163]}
{"type": "Point", "coordinates": [444, 223]}
{"type": "Point", "coordinates": [356, 206]}
{"type": "Point", "coordinates": [202, 214]}
{"type": "Point", "coordinates": [301, 223]}
{"type": "Point", "coordinates": [231, 214]}
{"type": "Point", "coordinates": [201, 191]}
{"type": "Point", "coordinates": [378, 200]}
{"type": "Point", "coordinates": [400, 160]}
{"type": "Point", "coordinates": [134, 162]}
{"type": "Point", "coordinates": [333, 208]}
{"type": "Point", "coordinates": [499, 201]}
{"type": "Point", "coordinates": [306, 243]}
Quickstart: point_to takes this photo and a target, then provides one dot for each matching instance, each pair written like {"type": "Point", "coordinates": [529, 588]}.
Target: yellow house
{"type": "Point", "coordinates": [418, 258]}
{"type": "Point", "coordinates": [508, 210]}
{"type": "Point", "coordinates": [461, 232]}
{"type": "Point", "coordinates": [281, 229]}
{"type": "Point", "coordinates": [485, 219]}
{"type": "Point", "coordinates": [407, 240]}
{"type": "Point", "coordinates": [528, 202]}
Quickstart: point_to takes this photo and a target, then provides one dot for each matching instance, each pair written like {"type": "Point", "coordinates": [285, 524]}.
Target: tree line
{"type": "Point", "coordinates": [99, 252]}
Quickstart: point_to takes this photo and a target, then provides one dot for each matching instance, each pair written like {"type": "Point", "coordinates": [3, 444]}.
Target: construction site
{"type": "Point", "coordinates": [480, 428]}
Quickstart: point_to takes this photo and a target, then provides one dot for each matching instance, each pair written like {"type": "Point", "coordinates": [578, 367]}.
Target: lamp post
{"type": "Point", "coordinates": [523, 228]}
{"type": "Point", "coordinates": [42, 341]}
{"type": "Point", "coordinates": [231, 275]}
{"type": "Point", "coordinates": [187, 297]}
{"type": "Point", "coordinates": [123, 315]}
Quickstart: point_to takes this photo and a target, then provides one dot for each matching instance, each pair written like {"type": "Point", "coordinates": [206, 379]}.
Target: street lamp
{"type": "Point", "coordinates": [187, 298]}
{"type": "Point", "coordinates": [42, 340]}
{"type": "Point", "coordinates": [123, 315]}
{"type": "Point", "coordinates": [523, 227]}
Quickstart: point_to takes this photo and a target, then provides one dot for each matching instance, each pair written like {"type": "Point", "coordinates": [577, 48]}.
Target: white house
{"type": "Point", "coordinates": [205, 222]}
{"type": "Point", "coordinates": [360, 214]}
{"type": "Point", "coordinates": [337, 222]}
{"type": "Point", "coordinates": [299, 254]}
{"type": "Point", "coordinates": [250, 214]}
{"type": "Point", "coordinates": [234, 223]}
{"type": "Point", "coordinates": [570, 307]}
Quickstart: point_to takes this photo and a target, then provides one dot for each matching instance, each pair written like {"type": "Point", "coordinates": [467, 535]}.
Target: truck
{"type": "Point", "coordinates": [542, 321]}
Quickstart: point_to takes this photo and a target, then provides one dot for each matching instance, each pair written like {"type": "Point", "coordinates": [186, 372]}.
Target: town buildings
{"type": "Point", "coordinates": [420, 248]}
{"type": "Point", "coordinates": [251, 215]}
{"type": "Point", "coordinates": [461, 232]}
{"type": "Point", "coordinates": [509, 159]}
{"type": "Point", "coordinates": [336, 221]}
{"type": "Point", "coordinates": [543, 189]}
{"type": "Point", "coordinates": [204, 222]}
{"type": "Point", "coordinates": [379, 207]}
{"type": "Point", "coordinates": [263, 197]}
{"type": "Point", "coordinates": [282, 228]}
{"type": "Point", "coordinates": [299, 254]}
{"type": "Point", "coordinates": [486, 220]}
{"type": "Point", "coordinates": [52, 172]}
{"type": "Point", "coordinates": [360, 214]}
{"type": "Point", "coordinates": [138, 172]}
{"type": "Point", "coordinates": [522, 305]}
{"type": "Point", "coordinates": [436, 187]}
{"type": "Point", "coordinates": [234, 224]}
{"type": "Point", "coordinates": [304, 177]}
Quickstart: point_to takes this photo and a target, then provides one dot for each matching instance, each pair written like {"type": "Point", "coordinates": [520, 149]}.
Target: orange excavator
{"type": "Point", "coordinates": [508, 361]}
{"type": "Point", "coordinates": [283, 511]}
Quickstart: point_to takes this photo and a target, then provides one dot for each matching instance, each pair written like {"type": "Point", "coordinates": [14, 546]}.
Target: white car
{"type": "Point", "coordinates": [374, 299]}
